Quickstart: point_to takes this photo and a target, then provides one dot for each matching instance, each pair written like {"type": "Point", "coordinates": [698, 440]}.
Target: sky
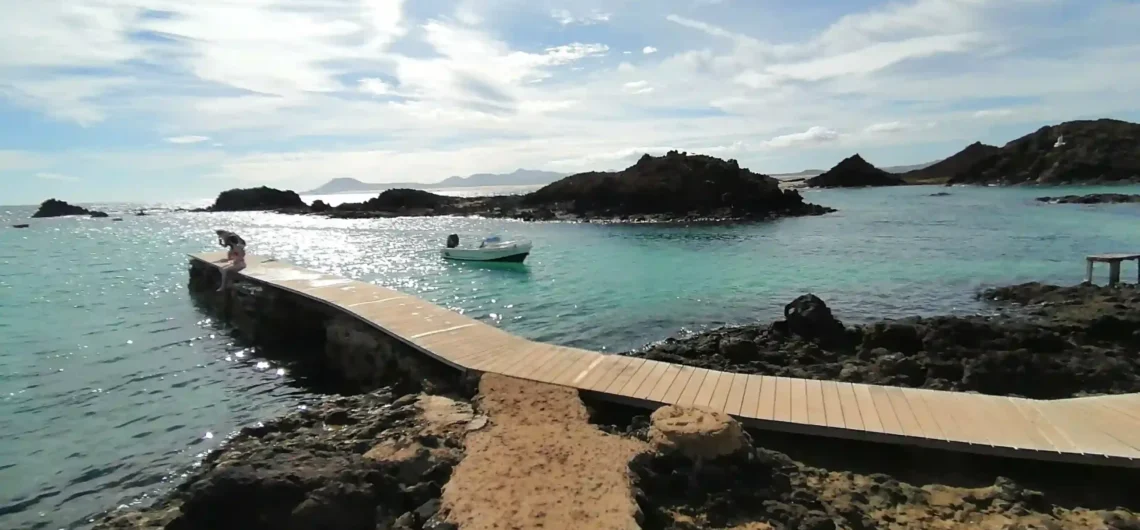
{"type": "Point", "coordinates": [137, 100]}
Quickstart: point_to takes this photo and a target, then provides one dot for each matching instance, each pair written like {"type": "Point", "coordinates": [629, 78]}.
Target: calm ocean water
{"type": "Point", "coordinates": [112, 384]}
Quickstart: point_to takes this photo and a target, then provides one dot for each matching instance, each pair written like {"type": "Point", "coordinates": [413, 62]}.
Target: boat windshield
{"type": "Point", "coordinates": [491, 241]}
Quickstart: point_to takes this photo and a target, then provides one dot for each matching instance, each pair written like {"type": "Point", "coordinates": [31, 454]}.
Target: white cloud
{"type": "Point", "coordinates": [648, 50]}
{"type": "Point", "coordinates": [421, 93]}
{"type": "Point", "coordinates": [814, 135]}
{"type": "Point", "coordinates": [887, 127]}
{"type": "Point", "coordinates": [374, 86]}
{"type": "Point", "coordinates": [566, 18]}
{"type": "Point", "coordinates": [637, 87]}
{"type": "Point", "coordinates": [993, 113]}
{"type": "Point", "coordinates": [187, 139]}
{"type": "Point", "coordinates": [56, 176]}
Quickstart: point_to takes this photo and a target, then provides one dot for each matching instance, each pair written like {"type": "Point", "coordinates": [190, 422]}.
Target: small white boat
{"type": "Point", "coordinates": [491, 249]}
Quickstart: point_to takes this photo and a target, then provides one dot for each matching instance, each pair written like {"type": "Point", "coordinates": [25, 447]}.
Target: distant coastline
{"type": "Point", "coordinates": [519, 177]}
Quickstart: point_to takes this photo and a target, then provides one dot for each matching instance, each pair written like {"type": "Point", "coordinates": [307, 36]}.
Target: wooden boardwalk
{"type": "Point", "coordinates": [1102, 430]}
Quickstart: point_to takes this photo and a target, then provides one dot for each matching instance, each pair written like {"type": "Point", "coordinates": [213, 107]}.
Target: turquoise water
{"type": "Point", "coordinates": [112, 384]}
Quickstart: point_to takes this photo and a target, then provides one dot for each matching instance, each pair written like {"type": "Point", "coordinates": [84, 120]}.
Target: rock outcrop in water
{"type": "Point", "coordinates": [58, 208]}
{"type": "Point", "coordinates": [1095, 198]}
{"type": "Point", "coordinates": [674, 187]}
{"type": "Point", "coordinates": [1075, 152]}
{"type": "Point", "coordinates": [256, 199]}
{"type": "Point", "coordinates": [377, 460]}
{"type": "Point", "coordinates": [854, 172]}
{"type": "Point", "coordinates": [1077, 343]}
{"type": "Point", "coordinates": [951, 167]}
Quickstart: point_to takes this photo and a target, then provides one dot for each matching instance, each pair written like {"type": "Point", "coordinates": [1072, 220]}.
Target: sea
{"type": "Point", "coordinates": [113, 384]}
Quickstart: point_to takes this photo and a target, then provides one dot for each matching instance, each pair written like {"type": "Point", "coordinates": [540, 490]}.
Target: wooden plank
{"type": "Point", "coordinates": [1127, 404]}
{"type": "Point", "coordinates": [903, 413]}
{"type": "Point", "coordinates": [940, 410]}
{"type": "Point", "coordinates": [689, 394]}
{"type": "Point", "coordinates": [736, 394]}
{"type": "Point", "coordinates": [1005, 425]}
{"type": "Point", "coordinates": [642, 391]}
{"type": "Point", "coordinates": [618, 364]}
{"type": "Point", "coordinates": [798, 395]}
{"type": "Point", "coordinates": [566, 357]}
{"type": "Point", "coordinates": [1014, 417]}
{"type": "Point", "coordinates": [971, 420]}
{"type": "Point", "coordinates": [886, 412]}
{"type": "Point", "coordinates": [719, 399]}
{"type": "Point", "coordinates": [1091, 440]}
{"type": "Point", "coordinates": [519, 362]}
{"type": "Point", "coordinates": [667, 380]}
{"type": "Point", "coordinates": [672, 394]}
{"type": "Point", "coordinates": [1058, 440]}
{"type": "Point", "coordinates": [766, 408]}
{"type": "Point", "coordinates": [571, 371]}
{"type": "Point", "coordinates": [624, 377]}
{"type": "Point", "coordinates": [751, 403]}
{"type": "Point", "coordinates": [850, 403]}
{"type": "Point", "coordinates": [816, 414]}
{"type": "Point", "coordinates": [832, 405]}
{"type": "Point", "coordinates": [597, 371]}
{"type": "Point", "coordinates": [635, 381]}
{"type": "Point", "coordinates": [926, 422]}
{"type": "Point", "coordinates": [783, 405]}
{"type": "Point", "coordinates": [705, 393]}
{"type": "Point", "coordinates": [1120, 427]}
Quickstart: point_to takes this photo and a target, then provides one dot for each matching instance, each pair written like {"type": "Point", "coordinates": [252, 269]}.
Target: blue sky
{"type": "Point", "coordinates": [163, 99]}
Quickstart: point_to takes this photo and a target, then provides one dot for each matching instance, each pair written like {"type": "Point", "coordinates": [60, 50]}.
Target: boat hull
{"type": "Point", "coordinates": [511, 253]}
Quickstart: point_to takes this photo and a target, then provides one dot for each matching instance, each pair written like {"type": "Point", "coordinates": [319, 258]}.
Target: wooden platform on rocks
{"type": "Point", "coordinates": [1101, 430]}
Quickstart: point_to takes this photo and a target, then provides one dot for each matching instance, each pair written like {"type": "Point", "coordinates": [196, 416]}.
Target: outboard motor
{"type": "Point", "coordinates": [452, 241]}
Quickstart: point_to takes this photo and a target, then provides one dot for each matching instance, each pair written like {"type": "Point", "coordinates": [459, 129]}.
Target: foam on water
{"type": "Point", "coordinates": [112, 383]}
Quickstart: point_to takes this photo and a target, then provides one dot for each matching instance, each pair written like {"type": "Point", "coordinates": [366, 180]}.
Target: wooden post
{"type": "Point", "coordinates": [1113, 273]}
{"type": "Point", "coordinates": [1088, 270]}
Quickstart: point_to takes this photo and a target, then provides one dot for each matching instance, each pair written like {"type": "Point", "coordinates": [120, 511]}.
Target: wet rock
{"type": "Point", "coordinates": [260, 198]}
{"type": "Point", "coordinates": [1093, 198]}
{"type": "Point", "coordinates": [320, 206]}
{"type": "Point", "coordinates": [297, 473]}
{"type": "Point", "coordinates": [809, 317]}
{"type": "Point", "coordinates": [58, 208]}
{"type": "Point", "coordinates": [1056, 343]}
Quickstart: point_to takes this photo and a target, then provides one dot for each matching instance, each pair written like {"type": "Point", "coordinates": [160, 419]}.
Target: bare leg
{"type": "Point", "coordinates": [224, 269]}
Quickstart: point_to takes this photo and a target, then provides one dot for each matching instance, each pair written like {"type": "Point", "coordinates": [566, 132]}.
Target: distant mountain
{"type": "Point", "coordinates": [797, 175]}
{"type": "Point", "coordinates": [519, 177]}
{"type": "Point", "coordinates": [912, 167]}
{"type": "Point", "coordinates": [854, 172]}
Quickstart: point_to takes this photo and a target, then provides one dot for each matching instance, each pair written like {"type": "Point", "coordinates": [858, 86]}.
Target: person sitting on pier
{"type": "Point", "coordinates": [235, 256]}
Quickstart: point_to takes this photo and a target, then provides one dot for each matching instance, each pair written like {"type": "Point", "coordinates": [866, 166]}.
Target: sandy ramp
{"type": "Point", "coordinates": [540, 464]}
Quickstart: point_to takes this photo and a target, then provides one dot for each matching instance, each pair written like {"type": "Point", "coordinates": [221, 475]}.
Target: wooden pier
{"type": "Point", "coordinates": [1101, 430]}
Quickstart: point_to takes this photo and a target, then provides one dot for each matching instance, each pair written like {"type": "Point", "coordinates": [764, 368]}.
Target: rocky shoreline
{"type": "Point", "coordinates": [1065, 342]}
{"type": "Point", "coordinates": [414, 448]}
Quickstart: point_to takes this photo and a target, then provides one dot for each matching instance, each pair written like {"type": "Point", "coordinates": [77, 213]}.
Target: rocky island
{"type": "Point", "coordinates": [854, 172]}
{"type": "Point", "coordinates": [256, 199]}
{"type": "Point", "coordinates": [674, 187]}
{"type": "Point", "coordinates": [58, 208]}
{"type": "Point", "coordinates": [1077, 152]}
{"type": "Point", "coordinates": [1095, 198]}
